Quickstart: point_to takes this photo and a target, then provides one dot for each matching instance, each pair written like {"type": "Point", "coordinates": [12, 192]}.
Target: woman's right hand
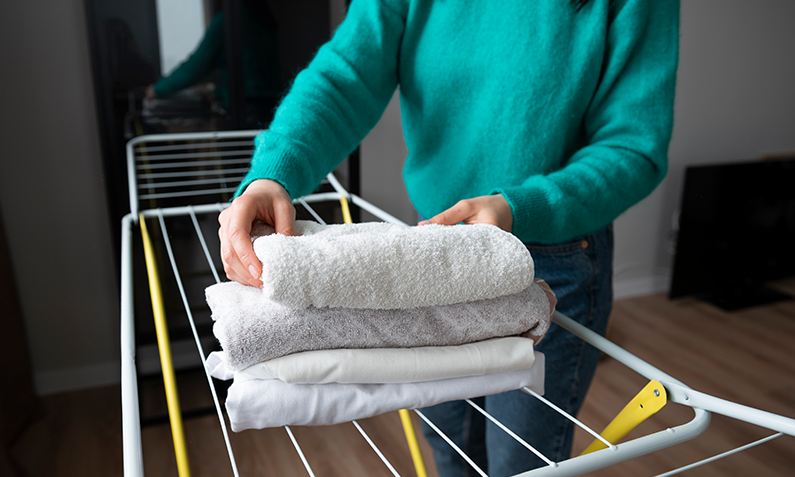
{"type": "Point", "coordinates": [264, 200]}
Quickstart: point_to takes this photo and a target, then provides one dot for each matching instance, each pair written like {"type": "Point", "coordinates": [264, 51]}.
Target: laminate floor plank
{"type": "Point", "coordinates": [747, 356]}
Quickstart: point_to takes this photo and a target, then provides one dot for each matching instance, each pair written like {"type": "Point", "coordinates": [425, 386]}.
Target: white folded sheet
{"type": "Point", "coordinates": [384, 266]}
{"type": "Point", "coordinates": [253, 329]}
{"type": "Point", "coordinates": [386, 365]}
{"type": "Point", "coordinates": [261, 403]}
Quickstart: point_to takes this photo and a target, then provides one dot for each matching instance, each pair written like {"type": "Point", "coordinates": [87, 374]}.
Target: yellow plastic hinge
{"type": "Point", "coordinates": [648, 401]}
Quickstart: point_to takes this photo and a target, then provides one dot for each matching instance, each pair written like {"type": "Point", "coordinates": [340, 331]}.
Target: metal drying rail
{"type": "Point", "coordinates": [140, 149]}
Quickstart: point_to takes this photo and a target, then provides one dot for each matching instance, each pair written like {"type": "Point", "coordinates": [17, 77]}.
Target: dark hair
{"type": "Point", "coordinates": [578, 4]}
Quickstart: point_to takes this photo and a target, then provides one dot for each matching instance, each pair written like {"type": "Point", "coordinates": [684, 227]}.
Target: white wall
{"type": "Point", "coordinates": [735, 101]}
{"type": "Point", "coordinates": [180, 28]}
{"type": "Point", "coordinates": [337, 10]}
{"type": "Point", "coordinates": [52, 195]}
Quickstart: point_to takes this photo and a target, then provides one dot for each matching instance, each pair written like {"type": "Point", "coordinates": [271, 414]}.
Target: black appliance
{"type": "Point", "coordinates": [736, 232]}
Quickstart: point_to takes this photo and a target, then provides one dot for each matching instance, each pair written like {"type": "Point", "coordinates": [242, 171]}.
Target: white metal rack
{"type": "Point", "coordinates": [206, 164]}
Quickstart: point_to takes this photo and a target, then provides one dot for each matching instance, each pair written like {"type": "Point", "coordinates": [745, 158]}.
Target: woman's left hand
{"type": "Point", "coordinates": [487, 209]}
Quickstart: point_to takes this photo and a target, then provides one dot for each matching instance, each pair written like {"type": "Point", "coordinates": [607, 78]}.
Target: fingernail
{"type": "Point", "coordinates": [424, 222]}
{"type": "Point", "coordinates": [253, 270]}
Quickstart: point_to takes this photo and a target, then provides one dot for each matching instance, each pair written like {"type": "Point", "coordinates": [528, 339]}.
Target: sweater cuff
{"type": "Point", "coordinates": [161, 89]}
{"type": "Point", "coordinates": [533, 220]}
{"type": "Point", "coordinates": [277, 159]}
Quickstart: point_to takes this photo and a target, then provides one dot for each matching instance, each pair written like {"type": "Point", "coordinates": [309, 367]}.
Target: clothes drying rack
{"type": "Point", "coordinates": [176, 175]}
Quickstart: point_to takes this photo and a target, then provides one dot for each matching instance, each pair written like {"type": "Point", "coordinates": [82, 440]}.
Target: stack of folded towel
{"type": "Point", "coordinates": [357, 320]}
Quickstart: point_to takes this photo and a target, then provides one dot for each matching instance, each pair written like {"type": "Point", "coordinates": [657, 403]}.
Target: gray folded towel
{"type": "Point", "coordinates": [384, 266]}
{"type": "Point", "coordinates": [253, 329]}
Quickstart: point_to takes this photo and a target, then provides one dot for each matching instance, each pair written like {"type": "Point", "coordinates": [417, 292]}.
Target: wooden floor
{"type": "Point", "coordinates": [745, 356]}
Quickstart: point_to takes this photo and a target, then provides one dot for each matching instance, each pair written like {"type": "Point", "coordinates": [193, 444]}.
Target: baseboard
{"type": "Point", "coordinates": [183, 355]}
{"type": "Point", "coordinates": [74, 379]}
{"type": "Point", "coordinates": [643, 285]}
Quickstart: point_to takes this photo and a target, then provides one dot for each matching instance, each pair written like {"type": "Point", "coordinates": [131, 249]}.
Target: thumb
{"type": "Point", "coordinates": [284, 218]}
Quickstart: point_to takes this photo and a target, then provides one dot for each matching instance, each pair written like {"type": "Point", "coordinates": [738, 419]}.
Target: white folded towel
{"type": "Point", "coordinates": [253, 329]}
{"type": "Point", "coordinates": [386, 365]}
{"type": "Point", "coordinates": [260, 403]}
{"type": "Point", "coordinates": [383, 266]}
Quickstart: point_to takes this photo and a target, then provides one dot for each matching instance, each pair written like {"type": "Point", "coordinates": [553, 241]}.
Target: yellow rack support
{"type": "Point", "coordinates": [405, 417]}
{"type": "Point", "coordinates": [648, 401]}
{"type": "Point", "coordinates": [164, 347]}
{"type": "Point", "coordinates": [414, 447]}
{"type": "Point", "coordinates": [346, 211]}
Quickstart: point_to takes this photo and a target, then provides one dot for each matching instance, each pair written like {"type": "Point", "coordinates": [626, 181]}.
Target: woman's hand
{"type": "Point", "coordinates": [264, 200]}
{"type": "Point", "coordinates": [487, 209]}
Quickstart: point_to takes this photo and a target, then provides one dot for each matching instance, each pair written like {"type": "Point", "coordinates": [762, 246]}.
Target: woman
{"type": "Point", "coordinates": [261, 81]}
{"type": "Point", "coordinates": [546, 118]}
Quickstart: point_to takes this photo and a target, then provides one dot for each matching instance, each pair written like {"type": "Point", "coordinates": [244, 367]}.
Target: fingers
{"type": "Point", "coordinates": [273, 205]}
{"type": "Point", "coordinates": [263, 200]}
{"type": "Point", "coordinates": [284, 217]}
{"type": "Point", "coordinates": [240, 251]}
{"type": "Point", "coordinates": [488, 209]}
{"type": "Point", "coordinates": [237, 252]}
{"type": "Point", "coordinates": [460, 212]}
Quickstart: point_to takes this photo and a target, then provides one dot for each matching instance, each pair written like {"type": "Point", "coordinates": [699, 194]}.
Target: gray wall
{"type": "Point", "coordinates": [52, 195]}
{"type": "Point", "coordinates": [735, 101]}
{"type": "Point", "coordinates": [383, 154]}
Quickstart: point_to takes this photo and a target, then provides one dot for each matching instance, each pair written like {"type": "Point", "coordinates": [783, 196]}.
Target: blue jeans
{"type": "Point", "coordinates": [580, 273]}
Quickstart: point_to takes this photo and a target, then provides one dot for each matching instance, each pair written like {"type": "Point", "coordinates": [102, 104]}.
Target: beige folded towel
{"type": "Point", "coordinates": [386, 365]}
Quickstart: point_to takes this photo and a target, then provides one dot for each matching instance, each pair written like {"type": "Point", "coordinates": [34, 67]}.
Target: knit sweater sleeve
{"type": "Point", "coordinates": [627, 127]}
{"type": "Point", "coordinates": [199, 64]}
{"type": "Point", "coordinates": [335, 101]}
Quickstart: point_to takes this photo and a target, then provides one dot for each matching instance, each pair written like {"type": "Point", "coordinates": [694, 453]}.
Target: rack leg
{"type": "Point", "coordinates": [164, 348]}
{"type": "Point", "coordinates": [414, 447]}
{"type": "Point", "coordinates": [346, 211]}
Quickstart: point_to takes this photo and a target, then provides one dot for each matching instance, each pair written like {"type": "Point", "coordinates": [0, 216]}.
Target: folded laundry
{"type": "Point", "coordinates": [260, 403]}
{"type": "Point", "coordinates": [386, 365]}
{"type": "Point", "coordinates": [253, 329]}
{"type": "Point", "coordinates": [383, 266]}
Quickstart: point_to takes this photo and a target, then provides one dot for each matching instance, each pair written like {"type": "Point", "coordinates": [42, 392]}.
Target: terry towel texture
{"type": "Point", "coordinates": [358, 320]}
{"type": "Point", "coordinates": [390, 365]}
{"type": "Point", "coordinates": [260, 403]}
{"type": "Point", "coordinates": [384, 266]}
{"type": "Point", "coordinates": [253, 329]}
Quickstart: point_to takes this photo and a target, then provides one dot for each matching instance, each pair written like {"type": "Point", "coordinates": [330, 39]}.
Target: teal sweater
{"type": "Point", "coordinates": [260, 62]}
{"type": "Point", "coordinates": [567, 114]}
